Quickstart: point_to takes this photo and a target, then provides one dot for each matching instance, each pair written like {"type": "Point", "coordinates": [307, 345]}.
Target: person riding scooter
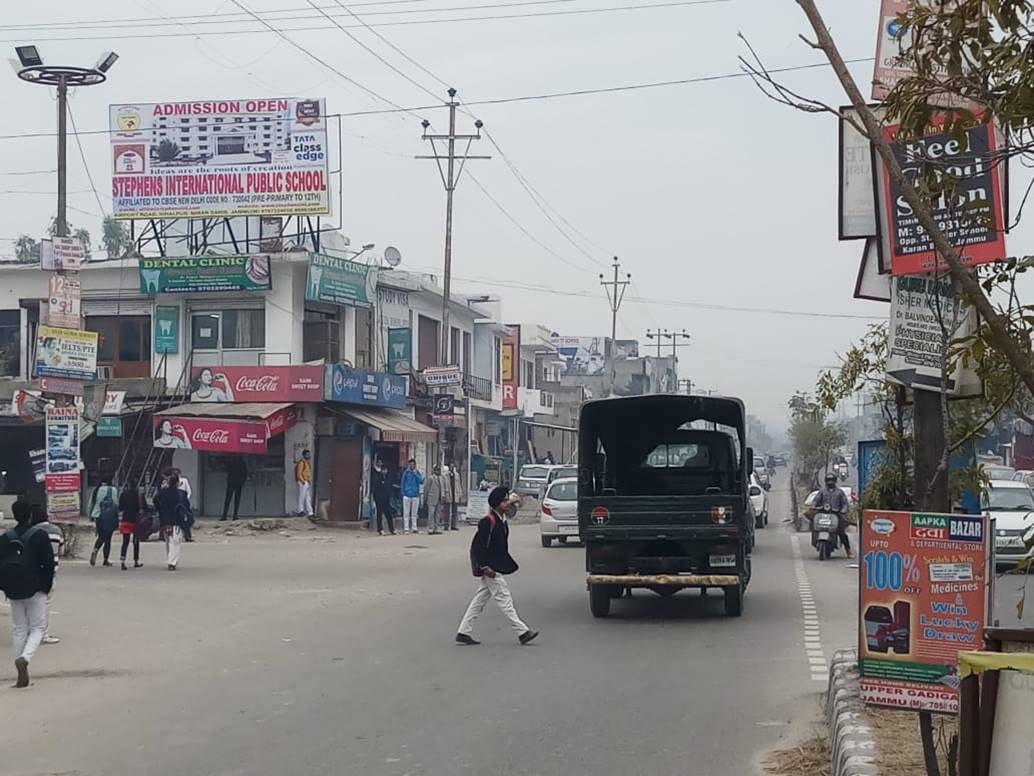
{"type": "Point", "coordinates": [833, 499]}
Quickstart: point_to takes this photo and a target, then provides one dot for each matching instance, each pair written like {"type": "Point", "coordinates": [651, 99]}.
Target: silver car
{"type": "Point", "coordinates": [533, 479]}
{"type": "Point", "coordinates": [558, 512]}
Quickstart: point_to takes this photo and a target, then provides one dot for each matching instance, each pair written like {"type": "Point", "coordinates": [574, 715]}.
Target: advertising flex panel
{"type": "Point", "coordinates": [220, 158]}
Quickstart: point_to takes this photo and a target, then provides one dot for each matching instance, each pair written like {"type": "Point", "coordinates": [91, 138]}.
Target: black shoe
{"type": "Point", "coordinates": [463, 638]}
{"type": "Point", "coordinates": [527, 637]}
{"type": "Point", "coordinates": [137, 564]}
{"type": "Point", "coordinates": [21, 665]}
{"type": "Point", "coordinates": [222, 519]}
{"type": "Point", "coordinates": [106, 563]}
{"type": "Point", "coordinates": [124, 566]}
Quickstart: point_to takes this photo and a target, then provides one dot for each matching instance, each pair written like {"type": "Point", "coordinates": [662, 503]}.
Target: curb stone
{"type": "Point", "coordinates": [850, 738]}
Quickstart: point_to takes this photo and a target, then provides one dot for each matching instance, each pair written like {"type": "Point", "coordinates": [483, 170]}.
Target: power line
{"type": "Point", "coordinates": [415, 109]}
{"type": "Point", "coordinates": [82, 155]}
{"type": "Point", "coordinates": [489, 17]}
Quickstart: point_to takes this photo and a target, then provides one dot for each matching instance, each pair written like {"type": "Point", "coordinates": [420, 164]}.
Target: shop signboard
{"type": "Point", "coordinates": [201, 274]}
{"type": "Point", "coordinates": [217, 435]}
{"type": "Point", "coordinates": [29, 406]}
{"type": "Point", "coordinates": [400, 350]}
{"type": "Point", "coordinates": [66, 353]}
{"type": "Point", "coordinates": [334, 280]}
{"type": "Point", "coordinates": [441, 376]}
{"type": "Point", "coordinates": [62, 253]}
{"type": "Point", "coordinates": [922, 594]}
{"type": "Point", "coordinates": [511, 367]}
{"type": "Point", "coordinates": [357, 386]}
{"type": "Point", "coordinates": [64, 386]}
{"type": "Point", "coordinates": [870, 459]}
{"type": "Point", "coordinates": [109, 427]}
{"type": "Point", "coordinates": [926, 316]}
{"type": "Point", "coordinates": [220, 158]}
{"type": "Point", "coordinates": [971, 218]}
{"type": "Point", "coordinates": [63, 507]}
{"type": "Point", "coordinates": [64, 303]}
{"type": "Point", "coordinates": [583, 356]}
{"type": "Point", "coordinates": [444, 410]}
{"type": "Point", "coordinates": [166, 329]}
{"type": "Point", "coordinates": [477, 505]}
{"type": "Point", "coordinates": [62, 438]}
{"type": "Point", "coordinates": [857, 200]}
{"type": "Point", "coordinates": [38, 461]}
{"type": "Point", "coordinates": [245, 384]}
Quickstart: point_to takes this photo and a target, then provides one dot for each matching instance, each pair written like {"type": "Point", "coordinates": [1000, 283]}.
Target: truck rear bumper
{"type": "Point", "coordinates": [665, 580]}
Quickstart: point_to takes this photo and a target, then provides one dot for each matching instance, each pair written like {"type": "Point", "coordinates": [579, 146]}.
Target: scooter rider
{"type": "Point", "coordinates": [833, 499]}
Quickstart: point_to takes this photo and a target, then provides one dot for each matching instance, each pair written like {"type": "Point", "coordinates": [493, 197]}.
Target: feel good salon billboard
{"type": "Point", "coordinates": [220, 158]}
{"type": "Point", "coordinates": [923, 598]}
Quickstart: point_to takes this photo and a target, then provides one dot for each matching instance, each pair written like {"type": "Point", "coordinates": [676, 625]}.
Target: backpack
{"type": "Point", "coordinates": [108, 519]}
{"type": "Point", "coordinates": [18, 566]}
{"type": "Point", "coordinates": [475, 567]}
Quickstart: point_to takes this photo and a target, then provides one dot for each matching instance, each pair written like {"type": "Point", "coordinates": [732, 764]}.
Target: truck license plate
{"type": "Point", "coordinates": [568, 529]}
{"type": "Point", "coordinates": [723, 560]}
{"type": "Point", "coordinates": [823, 536]}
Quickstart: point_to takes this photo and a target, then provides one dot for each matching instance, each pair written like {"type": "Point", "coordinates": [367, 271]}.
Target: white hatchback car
{"type": "Point", "coordinates": [558, 512]}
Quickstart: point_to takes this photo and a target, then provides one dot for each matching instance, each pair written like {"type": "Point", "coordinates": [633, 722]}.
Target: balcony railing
{"type": "Point", "coordinates": [479, 388]}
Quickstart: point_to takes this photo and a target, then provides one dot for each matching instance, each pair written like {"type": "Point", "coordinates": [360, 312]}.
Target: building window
{"type": "Point", "coordinates": [321, 337]}
{"type": "Point", "coordinates": [497, 361]}
{"type": "Point", "coordinates": [229, 330]}
{"type": "Point", "coordinates": [10, 348]}
{"type": "Point", "coordinates": [123, 343]}
{"type": "Point", "coordinates": [466, 352]}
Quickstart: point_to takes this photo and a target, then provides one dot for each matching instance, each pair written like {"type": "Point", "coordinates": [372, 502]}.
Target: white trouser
{"type": "Point", "coordinates": [410, 510]}
{"type": "Point", "coordinates": [305, 499]}
{"type": "Point", "coordinates": [28, 623]}
{"type": "Point", "coordinates": [173, 538]}
{"type": "Point", "coordinates": [496, 588]}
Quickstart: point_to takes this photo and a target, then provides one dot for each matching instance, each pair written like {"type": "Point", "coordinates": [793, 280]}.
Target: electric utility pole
{"type": "Point", "coordinates": [450, 177]}
{"type": "Point", "coordinates": [615, 296]}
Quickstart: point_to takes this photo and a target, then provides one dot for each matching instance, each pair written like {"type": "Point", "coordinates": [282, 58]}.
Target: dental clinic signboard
{"type": "Point", "coordinates": [220, 158]}
{"type": "Point", "coordinates": [200, 274]}
{"type": "Point", "coordinates": [357, 386]}
{"type": "Point", "coordinates": [923, 590]}
{"type": "Point", "coordinates": [334, 280]}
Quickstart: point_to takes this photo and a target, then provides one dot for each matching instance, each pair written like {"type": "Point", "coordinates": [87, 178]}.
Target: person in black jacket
{"type": "Point", "coordinates": [380, 486]}
{"type": "Point", "coordinates": [27, 591]}
{"type": "Point", "coordinates": [173, 513]}
{"type": "Point", "coordinates": [489, 560]}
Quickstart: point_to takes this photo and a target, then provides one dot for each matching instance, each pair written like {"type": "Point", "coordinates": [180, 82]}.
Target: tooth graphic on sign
{"type": "Point", "coordinates": [166, 327]}
{"type": "Point", "coordinates": [152, 279]}
{"type": "Point", "coordinates": [316, 274]}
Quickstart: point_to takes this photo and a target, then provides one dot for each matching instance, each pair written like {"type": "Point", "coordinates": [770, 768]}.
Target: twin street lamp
{"type": "Point", "coordinates": [30, 68]}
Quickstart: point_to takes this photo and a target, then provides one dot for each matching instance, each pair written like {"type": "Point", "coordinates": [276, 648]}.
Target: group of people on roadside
{"type": "Point", "coordinates": [128, 513]}
{"type": "Point", "coordinates": [438, 492]}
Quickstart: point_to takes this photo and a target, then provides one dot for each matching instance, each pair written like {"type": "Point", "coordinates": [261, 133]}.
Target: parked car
{"type": "Point", "coordinates": [1011, 504]}
{"type": "Point", "coordinates": [779, 460]}
{"type": "Point", "coordinates": [1024, 475]}
{"type": "Point", "coordinates": [532, 479]}
{"type": "Point", "coordinates": [759, 499]}
{"type": "Point", "coordinates": [563, 471]}
{"type": "Point", "coordinates": [558, 513]}
{"type": "Point", "coordinates": [997, 472]}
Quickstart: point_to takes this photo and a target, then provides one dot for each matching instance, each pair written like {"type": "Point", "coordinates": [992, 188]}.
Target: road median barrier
{"type": "Point", "coordinates": [851, 739]}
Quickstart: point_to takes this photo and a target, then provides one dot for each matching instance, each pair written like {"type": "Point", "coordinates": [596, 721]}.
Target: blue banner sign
{"type": "Point", "coordinates": [357, 386]}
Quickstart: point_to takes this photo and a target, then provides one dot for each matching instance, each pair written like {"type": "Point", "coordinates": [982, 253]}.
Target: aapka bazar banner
{"type": "Point", "coordinates": [198, 274]}
{"type": "Point", "coordinates": [257, 384]}
{"type": "Point", "coordinates": [971, 216]}
{"type": "Point", "coordinates": [220, 435]}
{"type": "Point", "coordinates": [923, 599]}
{"type": "Point", "coordinates": [220, 158]}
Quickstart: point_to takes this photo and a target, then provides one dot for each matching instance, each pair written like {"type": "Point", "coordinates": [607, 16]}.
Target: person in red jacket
{"type": "Point", "coordinates": [490, 560]}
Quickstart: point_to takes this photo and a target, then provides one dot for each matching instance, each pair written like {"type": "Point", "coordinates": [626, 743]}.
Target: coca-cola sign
{"type": "Point", "coordinates": [218, 435]}
{"type": "Point", "coordinates": [246, 384]}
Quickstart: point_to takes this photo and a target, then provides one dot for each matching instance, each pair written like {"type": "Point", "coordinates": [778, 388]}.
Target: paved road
{"type": "Point", "coordinates": [332, 654]}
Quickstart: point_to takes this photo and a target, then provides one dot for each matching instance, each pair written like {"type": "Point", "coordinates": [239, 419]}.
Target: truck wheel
{"type": "Point", "coordinates": [599, 600]}
{"type": "Point", "coordinates": [546, 541]}
{"type": "Point", "coordinates": [734, 601]}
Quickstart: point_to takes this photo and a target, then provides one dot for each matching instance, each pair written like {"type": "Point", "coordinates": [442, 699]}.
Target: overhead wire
{"type": "Point", "coordinates": [82, 155]}
{"type": "Point", "coordinates": [408, 22]}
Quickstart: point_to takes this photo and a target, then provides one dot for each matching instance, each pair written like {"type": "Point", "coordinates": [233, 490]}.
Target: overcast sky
{"type": "Point", "coordinates": [708, 192]}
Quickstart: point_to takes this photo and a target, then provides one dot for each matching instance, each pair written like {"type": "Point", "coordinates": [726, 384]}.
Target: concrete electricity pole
{"type": "Point", "coordinates": [615, 296]}
{"type": "Point", "coordinates": [450, 177]}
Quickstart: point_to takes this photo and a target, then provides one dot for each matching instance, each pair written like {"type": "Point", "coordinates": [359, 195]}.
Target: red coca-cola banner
{"type": "Point", "coordinates": [213, 434]}
{"type": "Point", "coordinates": [256, 383]}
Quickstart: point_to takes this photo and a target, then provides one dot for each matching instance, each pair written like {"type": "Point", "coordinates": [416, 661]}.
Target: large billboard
{"type": "Point", "coordinates": [220, 158]}
{"type": "Point", "coordinates": [583, 356]}
{"type": "Point", "coordinates": [922, 598]}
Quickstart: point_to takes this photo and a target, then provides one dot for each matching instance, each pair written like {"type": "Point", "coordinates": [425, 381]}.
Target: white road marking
{"type": "Point", "coordinates": [812, 628]}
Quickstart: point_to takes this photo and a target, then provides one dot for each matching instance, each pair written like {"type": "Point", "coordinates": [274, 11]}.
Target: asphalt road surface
{"type": "Point", "coordinates": [332, 653]}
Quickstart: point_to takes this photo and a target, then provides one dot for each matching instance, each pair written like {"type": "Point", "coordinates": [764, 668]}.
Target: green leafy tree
{"type": "Point", "coordinates": [167, 151]}
{"type": "Point", "coordinates": [114, 237]}
{"type": "Point", "coordinates": [813, 436]}
{"type": "Point", "coordinates": [26, 249]}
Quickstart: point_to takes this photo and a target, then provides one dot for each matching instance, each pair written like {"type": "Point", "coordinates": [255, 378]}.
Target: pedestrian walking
{"type": "Point", "coordinates": [172, 515]}
{"type": "Point", "coordinates": [490, 561]}
{"type": "Point", "coordinates": [410, 485]}
{"type": "Point", "coordinates": [380, 486]}
{"type": "Point", "coordinates": [26, 578]}
{"type": "Point", "coordinates": [450, 502]}
{"type": "Point", "coordinates": [236, 476]}
{"type": "Point", "coordinates": [303, 478]}
{"type": "Point", "coordinates": [433, 500]}
{"type": "Point", "coordinates": [131, 503]}
{"type": "Point", "coordinates": [188, 526]}
{"type": "Point", "coordinates": [57, 543]}
{"type": "Point", "coordinates": [104, 513]}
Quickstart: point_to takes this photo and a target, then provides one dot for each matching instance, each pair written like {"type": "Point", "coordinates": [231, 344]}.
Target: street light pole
{"type": "Point", "coordinates": [62, 156]}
